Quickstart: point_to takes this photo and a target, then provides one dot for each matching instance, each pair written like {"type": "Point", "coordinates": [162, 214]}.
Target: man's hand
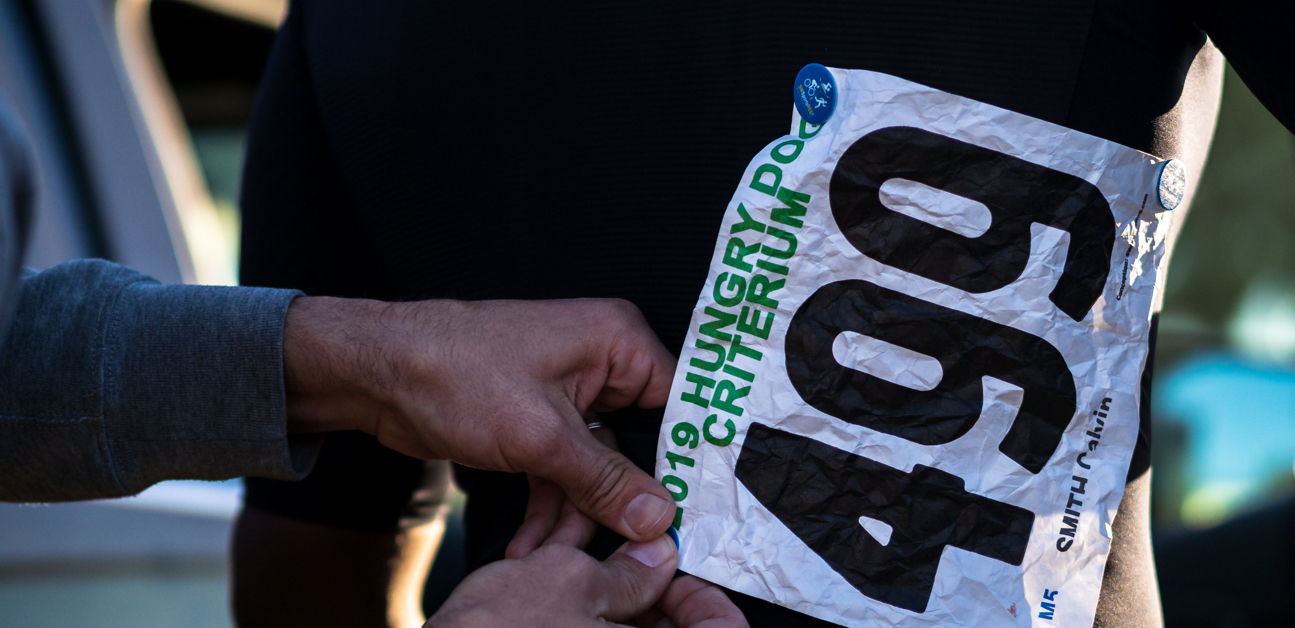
{"type": "Point", "coordinates": [560, 586]}
{"type": "Point", "coordinates": [498, 385]}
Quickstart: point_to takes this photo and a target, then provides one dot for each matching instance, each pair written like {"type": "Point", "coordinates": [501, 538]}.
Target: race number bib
{"type": "Point", "coordinates": [909, 392]}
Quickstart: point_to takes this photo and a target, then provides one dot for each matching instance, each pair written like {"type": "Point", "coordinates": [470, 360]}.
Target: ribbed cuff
{"type": "Point", "coordinates": [193, 385]}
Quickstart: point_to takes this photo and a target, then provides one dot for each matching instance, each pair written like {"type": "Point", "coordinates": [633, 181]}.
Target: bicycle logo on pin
{"type": "Point", "coordinates": [810, 89]}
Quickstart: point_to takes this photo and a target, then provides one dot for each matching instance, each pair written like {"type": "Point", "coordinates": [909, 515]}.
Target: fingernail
{"type": "Point", "coordinates": [645, 511]}
{"type": "Point", "coordinates": [652, 553]}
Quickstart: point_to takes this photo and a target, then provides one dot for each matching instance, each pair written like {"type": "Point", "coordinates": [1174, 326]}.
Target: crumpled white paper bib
{"type": "Point", "coordinates": [909, 392]}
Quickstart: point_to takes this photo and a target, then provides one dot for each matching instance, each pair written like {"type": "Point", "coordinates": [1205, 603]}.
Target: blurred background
{"type": "Point", "coordinates": [137, 113]}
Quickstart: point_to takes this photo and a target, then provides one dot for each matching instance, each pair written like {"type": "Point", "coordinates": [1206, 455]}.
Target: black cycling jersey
{"type": "Point", "coordinates": [481, 150]}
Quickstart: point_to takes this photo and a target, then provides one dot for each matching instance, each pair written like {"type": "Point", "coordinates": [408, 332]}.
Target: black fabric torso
{"type": "Point", "coordinates": [483, 150]}
{"type": "Point", "coordinates": [589, 148]}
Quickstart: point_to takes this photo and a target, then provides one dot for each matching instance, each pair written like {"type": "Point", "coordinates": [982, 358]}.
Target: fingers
{"type": "Point", "coordinates": [608, 487]}
{"type": "Point", "coordinates": [563, 586]}
{"type": "Point", "coordinates": [605, 436]}
{"type": "Point", "coordinates": [640, 370]}
{"type": "Point", "coordinates": [642, 375]}
{"type": "Point", "coordinates": [574, 528]}
{"type": "Point", "coordinates": [551, 518]}
{"type": "Point", "coordinates": [632, 578]}
{"type": "Point", "coordinates": [543, 510]}
{"type": "Point", "coordinates": [690, 602]}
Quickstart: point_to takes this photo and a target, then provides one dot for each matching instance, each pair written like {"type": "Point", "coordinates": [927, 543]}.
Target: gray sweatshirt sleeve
{"type": "Point", "coordinates": [111, 382]}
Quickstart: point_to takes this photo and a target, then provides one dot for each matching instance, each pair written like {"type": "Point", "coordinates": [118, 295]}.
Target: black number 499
{"type": "Point", "coordinates": [927, 509]}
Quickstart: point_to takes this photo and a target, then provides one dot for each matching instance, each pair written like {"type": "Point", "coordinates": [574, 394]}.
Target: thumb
{"type": "Point", "coordinates": [605, 485]}
{"type": "Point", "coordinates": [632, 579]}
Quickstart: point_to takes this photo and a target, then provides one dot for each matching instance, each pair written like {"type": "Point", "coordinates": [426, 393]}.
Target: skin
{"type": "Point", "coordinates": [497, 385]}
{"type": "Point", "coordinates": [559, 586]}
{"type": "Point", "coordinates": [551, 518]}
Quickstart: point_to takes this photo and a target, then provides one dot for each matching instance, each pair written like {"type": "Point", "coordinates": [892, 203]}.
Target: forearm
{"type": "Point", "coordinates": [325, 340]}
{"type": "Point", "coordinates": [112, 382]}
{"type": "Point", "coordinates": [346, 360]}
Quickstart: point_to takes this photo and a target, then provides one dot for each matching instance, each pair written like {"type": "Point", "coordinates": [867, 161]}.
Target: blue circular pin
{"type": "Point", "coordinates": [674, 536]}
{"type": "Point", "coordinates": [1173, 184]}
{"type": "Point", "coordinates": [815, 94]}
